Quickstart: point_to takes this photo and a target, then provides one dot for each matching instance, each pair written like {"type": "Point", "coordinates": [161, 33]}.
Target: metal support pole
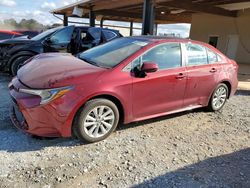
{"type": "Point", "coordinates": [155, 29]}
{"type": "Point", "coordinates": [148, 18]}
{"type": "Point", "coordinates": [91, 18]}
{"type": "Point", "coordinates": [131, 28]}
{"type": "Point", "coordinates": [65, 20]}
{"type": "Point", "coordinates": [101, 22]}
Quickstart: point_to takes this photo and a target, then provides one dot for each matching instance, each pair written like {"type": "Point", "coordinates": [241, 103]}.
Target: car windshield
{"type": "Point", "coordinates": [112, 53]}
{"type": "Point", "coordinates": [45, 33]}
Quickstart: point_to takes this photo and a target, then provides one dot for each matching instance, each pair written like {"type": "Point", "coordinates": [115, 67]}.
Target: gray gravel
{"type": "Point", "coordinates": [191, 149]}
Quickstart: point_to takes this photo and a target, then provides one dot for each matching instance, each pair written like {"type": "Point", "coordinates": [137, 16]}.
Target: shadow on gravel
{"type": "Point", "coordinates": [243, 92]}
{"type": "Point", "coordinates": [158, 119]}
{"type": "Point", "coordinates": [231, 170]}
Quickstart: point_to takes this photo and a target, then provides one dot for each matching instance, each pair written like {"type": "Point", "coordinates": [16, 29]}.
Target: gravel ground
{"type": "Point", "coordinates": [191, 149]}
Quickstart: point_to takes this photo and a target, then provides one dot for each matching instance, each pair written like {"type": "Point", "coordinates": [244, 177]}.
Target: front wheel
{"type": "Point", "coordinates": [17, 64]}
{"type": "Point", "coordinates": [96, 120]}
{"type": "Point", "coordinates": [218, 98]}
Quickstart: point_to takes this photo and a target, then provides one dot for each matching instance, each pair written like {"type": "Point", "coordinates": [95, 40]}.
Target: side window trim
{"type": "Point", "coordinates": [184, 54]}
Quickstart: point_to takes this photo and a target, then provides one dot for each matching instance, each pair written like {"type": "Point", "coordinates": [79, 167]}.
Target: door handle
{"type": "Point", "coordinates": [180, 76]}
{"type": "Point", "coordinates": [213, 70]}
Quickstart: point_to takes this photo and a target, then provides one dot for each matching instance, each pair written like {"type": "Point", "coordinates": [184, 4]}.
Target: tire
{"type": "Point", "coordinates": [18, 63]}
{"type": "Point", "coordinates": [96, 120]}
{"type": "Point", "coordinates": [220, 94]}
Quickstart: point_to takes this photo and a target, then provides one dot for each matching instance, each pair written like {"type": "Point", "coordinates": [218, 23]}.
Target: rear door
{"type": "Point", "coordinates": [201, 75]}
{"type": "Point", "coordinates": [161, 91]}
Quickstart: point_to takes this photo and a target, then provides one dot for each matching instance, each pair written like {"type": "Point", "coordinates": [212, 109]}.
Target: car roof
{"type": "Point", "coordinates": [10, 32]}
{"type": "Point", "coordinates": [87, 27]}
{"type": "Point", "coordinates": [155, 39]}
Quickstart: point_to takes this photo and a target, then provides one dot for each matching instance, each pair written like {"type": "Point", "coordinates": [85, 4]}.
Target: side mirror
{"type": "Point", "coordinates": [149, 67]}
{"type": "Point", "coordinates": [48, 40]}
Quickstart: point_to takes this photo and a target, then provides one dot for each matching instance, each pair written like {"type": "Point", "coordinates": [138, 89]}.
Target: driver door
{"type": "Point", "coordinates": [60, 41]}
{"type": "Point", "coordinates": [161, 91]}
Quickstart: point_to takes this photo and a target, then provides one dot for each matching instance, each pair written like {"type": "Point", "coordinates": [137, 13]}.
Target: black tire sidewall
{"type": "Point", "coordinates": [211, 106]}
{"type": "Point", "coordinates": [78, 128]}
{"type": "Point", "coordinates": [16, 63]}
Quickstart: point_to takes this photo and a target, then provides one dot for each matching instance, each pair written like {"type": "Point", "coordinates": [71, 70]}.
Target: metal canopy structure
{"type": "Point", "coordinates": [148, 12]}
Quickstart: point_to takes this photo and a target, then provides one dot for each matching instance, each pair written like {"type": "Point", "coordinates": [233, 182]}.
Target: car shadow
{"type": "Point", "coordinates": [243, 92]}
{"type": "Point", "coordinates": [158, 119]}
{"type": "Point", "coordinates": [230, 170]}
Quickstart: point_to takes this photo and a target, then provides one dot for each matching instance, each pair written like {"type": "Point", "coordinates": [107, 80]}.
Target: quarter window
{"type": "Point", "coordinates": [196, 54]}
{"type": "Point", "coordinates": [165, 56]}
{"type": "Point", "coordinates": [212, 56]}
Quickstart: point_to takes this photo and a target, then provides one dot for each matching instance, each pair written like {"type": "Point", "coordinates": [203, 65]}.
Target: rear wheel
{"type": "Point", "coordinates": [96, 121]}
{"type": "Point", "coordinates": [18, 63]}
{"type": "Point", "coordinates": [218, 98]}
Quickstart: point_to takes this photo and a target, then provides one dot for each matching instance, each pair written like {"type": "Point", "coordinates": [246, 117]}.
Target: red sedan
{"type": "Point", "coordinates": [125, 80]}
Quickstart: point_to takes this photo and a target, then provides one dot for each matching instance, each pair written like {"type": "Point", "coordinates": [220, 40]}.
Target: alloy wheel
{"type": "Point", "coordinates": [220, 97]}
{"type": "Point", "coordinates": [99, 121]}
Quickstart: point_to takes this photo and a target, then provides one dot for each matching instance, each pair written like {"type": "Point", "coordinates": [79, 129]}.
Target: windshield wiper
{"type": "Point", "coordinates": [88, 61]}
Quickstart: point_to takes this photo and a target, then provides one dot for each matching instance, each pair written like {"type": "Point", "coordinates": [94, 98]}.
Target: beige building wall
{"type": "Point", "coordinates": [206, 25]}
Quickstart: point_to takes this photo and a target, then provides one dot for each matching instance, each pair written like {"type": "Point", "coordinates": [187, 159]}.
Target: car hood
{"type": "Point", "coordinates": [52, 70]}
{"type": "Point", "coordinates": [17, 40]}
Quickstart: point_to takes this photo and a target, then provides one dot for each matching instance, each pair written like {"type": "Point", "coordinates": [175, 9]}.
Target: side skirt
{"type": "Point", "coordinates": [169, 112]}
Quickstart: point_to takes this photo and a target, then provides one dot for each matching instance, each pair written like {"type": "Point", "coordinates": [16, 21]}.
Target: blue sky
{"type": "Point", "coordinates": [39, 10]}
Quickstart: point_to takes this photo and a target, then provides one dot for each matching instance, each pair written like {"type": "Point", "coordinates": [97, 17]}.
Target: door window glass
{"type": "Point", "coordinates": [95, 32]}
{"type": "Point", "coordinates": [62, 36]}
{"type": "Point", "coordinates": [196, 55]}
{"type": "Point", "coordinates": [212, 56]}
{"type": "Point", "coordinates": [165, 56]}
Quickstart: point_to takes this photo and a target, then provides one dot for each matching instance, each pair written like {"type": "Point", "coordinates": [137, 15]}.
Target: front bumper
{"type": "Point", "coordinates": [35, 128]}
{"type": "Point", "coordinates": [51, 120]}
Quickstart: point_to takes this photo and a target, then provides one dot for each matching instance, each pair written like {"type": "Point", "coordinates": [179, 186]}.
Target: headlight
{"type": "Point", "coordinates": [48, 95]}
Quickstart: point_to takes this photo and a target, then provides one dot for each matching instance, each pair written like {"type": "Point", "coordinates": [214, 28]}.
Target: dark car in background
{"type": "Point", "coordinates": [70, 39]}
{"type": "Point", "coordinates": [6, 34]}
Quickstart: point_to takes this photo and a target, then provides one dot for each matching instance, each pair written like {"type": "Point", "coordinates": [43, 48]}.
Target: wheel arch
{"type": "Point", "coordinates": [19, 54]}
{"type": "Point", "coordinates": [229, 86]}
{"type": "Point", "coordinates": [110, 97]}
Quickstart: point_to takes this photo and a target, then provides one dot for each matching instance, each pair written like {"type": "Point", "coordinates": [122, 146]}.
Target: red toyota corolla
{"type": "Point", "coordinates": [125, 80]}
